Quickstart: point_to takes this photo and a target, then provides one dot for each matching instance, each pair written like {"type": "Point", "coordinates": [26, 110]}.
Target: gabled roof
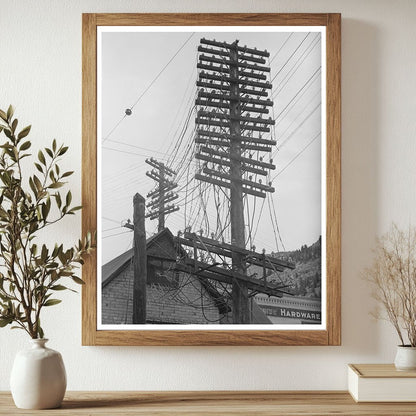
{"type": "Point", "coordinates": [111, 269]}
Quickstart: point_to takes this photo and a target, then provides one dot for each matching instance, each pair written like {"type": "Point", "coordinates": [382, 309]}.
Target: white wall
{"type": "Point", "coordinates": [40, 73]}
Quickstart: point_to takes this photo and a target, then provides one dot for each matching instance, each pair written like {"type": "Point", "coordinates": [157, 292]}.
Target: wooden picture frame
{"type": "Point", "coordinates": [331, 335]}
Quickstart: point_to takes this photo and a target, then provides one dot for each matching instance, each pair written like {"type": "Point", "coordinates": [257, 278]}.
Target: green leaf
{"type": "Point", "coordinates": [67, 174]}
{"type": "Point", "coordinates": [49, 152]}
{"type": "Point", "coordinates": [33, 187]}
{"type": "Point", "coordinates": [14, 125]}
{"type": "Point", "coordinates": [3, 115]}
{"type": "Point", "coordinates": [41, 157]}
{"type": "Point", "coordinates": [51, 302]}
{"type": "Point", "coordinates": [39, 167]}
{"type": "Point", "coordinates": [58, 199]}
{"type": "Point", "coordinates": [55, 251]}
{"type": "Point", "coordinates": [24, 133]}
{"type": "Point", "coordinates": [10, 112]}
{"type": "Point", "coordinates": [58, 287]}
{"type": "Point", "coordinates": [8, 133]}
{"type": "Point", "coordinates": [76, 279]}
{"type": "Point", "coordinates": [68, 199]}
{"type": "Point", "coordinates": [44, 253]}
{"type": "Point", "coordinates": [56, 185]}
{"type": "Point", "coordinates": [5, 321]}
{"type": "Point", "coordinates": [34, 249]}
{"type": "Point", "coordinates": [40, 332]}
{"type": "Point", "coordinates": [62, 257]}
{"type": "Point", "coordinates": [45, 211]}
{"type": "Point", "coordinates": [63, 150]}
{"type": "Point", "coordinates": [25, 145]}
{"type": "Point", "coordinates": [37, 182]}
{"type": "Point", "coordinates": [54, 145]}
{"type": "Point", "coordinates": [77, 208]}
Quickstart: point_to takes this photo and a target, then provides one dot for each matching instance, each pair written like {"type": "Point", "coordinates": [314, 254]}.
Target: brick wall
{"type": "Point", "coordinates": [185, 301]}
{"type": "Point", "coordinates": [117, 298]}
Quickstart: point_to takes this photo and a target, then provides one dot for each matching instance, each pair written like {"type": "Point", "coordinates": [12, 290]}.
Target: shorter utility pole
{"type": "Point", "coordinates": [140, 261]}
{"type": "Point", "coordinates": [162, 195]}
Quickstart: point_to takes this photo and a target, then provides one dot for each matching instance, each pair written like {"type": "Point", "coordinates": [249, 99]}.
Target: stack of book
{"type": "Point", "coordinates": [381, 383]}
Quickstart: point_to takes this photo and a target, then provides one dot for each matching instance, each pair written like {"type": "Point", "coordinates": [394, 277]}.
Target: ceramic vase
{"type": "Point", "coordinates": [405, 358]}
{"type": "Point", "coordinates": [38, 378]}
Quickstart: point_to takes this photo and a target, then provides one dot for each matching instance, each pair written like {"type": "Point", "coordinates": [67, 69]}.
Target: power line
{"type": "Point", "coordinates": [297, 155]}
{"type": "Point", "coordinates": [290, 57]}
{"type": "Point", "coordinates": [111, 229]}
{"type": "Point", "coordinates": [284, 43]}
{"type": "Point", "coordinates": [300, 113]}
{"type": "Point", "coordinates": [130, 153]}
{"type": "Point", "coordinates": [110, 219]}
{"type": "Point", "coordinates": [112, 130]}
{"type": "Point", "coordinates": [161, 71]}
{"type": "Point", "coordinates": [114, 235]}
{"type": "Point", "coordinates": [291, 134]}
{"type": "Point", "coordinates": [137, 147]}
{"type": "Point", "coordinates": [296, 101]}
{"type": "Point", "coordinates": [183, 100]}
{"type": "Point", "coordinates": [298, 92]}
{"type": "Point", "coordinates": [277, 224]}
{"type": "Point", "coordinates": [149, 86]}
{"type": "Point", "coordinates": [285, 80]}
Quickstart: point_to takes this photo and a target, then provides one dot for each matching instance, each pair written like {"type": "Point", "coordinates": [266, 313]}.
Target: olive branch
{"type": "Point", "coordinates": [31, 273]}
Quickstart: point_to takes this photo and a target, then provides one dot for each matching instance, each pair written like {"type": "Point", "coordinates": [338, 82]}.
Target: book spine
{"type": "Point", "coordinates": [353, 381]}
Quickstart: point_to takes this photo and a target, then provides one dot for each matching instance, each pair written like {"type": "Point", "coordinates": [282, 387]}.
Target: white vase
{"type": "Point", "coordinates": [405, 358]}
{"type": "Point", "coordinates": [38, 378]}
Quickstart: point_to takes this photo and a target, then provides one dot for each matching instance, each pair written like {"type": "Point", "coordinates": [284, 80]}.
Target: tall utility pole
{"type": "Point", "coordinates": [163, 194]}
{"type": "Point", "coordinates": [232, 82]}
{"type": "Point", "coordinates": [240, 290]}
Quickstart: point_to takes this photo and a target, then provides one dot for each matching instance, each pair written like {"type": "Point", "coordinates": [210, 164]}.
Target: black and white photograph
{"type": "Point", "coordinates": [211, 177]}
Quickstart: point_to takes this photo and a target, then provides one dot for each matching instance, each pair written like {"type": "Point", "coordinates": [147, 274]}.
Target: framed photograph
{"type": "Point", "coordinates": [211, 172]}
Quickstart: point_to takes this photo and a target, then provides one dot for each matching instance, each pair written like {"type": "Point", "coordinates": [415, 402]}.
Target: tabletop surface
{"type": "Point", "coordinates": [181, 403]}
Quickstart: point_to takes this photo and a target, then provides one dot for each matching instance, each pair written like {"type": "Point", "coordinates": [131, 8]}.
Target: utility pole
{"type": "Point", "coordinates": [240, 290]}
{"type": "Point", "coordinates": [232, 81]}
{"type": "Point", "coordinates": [139, 262]}
{"type": "Point", "coordinates": [163, 194]}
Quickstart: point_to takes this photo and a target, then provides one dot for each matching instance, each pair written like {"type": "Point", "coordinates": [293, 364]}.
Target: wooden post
{"type": "Point", "coordinates": [241, 312]}
{"type": "Point", "coordinates": [161, 225]}
{"type": "Point", "coordinates": [140, 261]}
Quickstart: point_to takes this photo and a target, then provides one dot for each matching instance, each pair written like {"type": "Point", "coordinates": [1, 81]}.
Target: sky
{"type": "Point", "coordinates": [154, 74]}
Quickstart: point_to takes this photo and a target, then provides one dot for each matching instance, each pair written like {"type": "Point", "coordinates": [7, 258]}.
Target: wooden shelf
{"type": "Point", "coordinates": [317, 403]}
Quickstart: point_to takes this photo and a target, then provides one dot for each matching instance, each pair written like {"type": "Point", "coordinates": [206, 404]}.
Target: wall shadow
{"type": "Point", "coordinates": [360, 187]}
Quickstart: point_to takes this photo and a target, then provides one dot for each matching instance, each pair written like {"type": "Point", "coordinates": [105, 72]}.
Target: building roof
{"type": "Point", "coordinates": [110, 269]}
{"type": "Point", "coordinates": [113, 267]}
